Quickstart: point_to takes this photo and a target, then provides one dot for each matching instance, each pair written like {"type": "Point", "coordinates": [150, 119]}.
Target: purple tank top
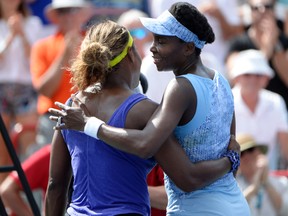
{"type": "Point", "coordinates": [107, 181]}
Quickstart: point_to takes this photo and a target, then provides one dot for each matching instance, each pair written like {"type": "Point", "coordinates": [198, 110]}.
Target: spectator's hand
{"type": "Point", "coordinates": [15, 24]}
{"type": "Point", "coordinates": [262, 164]}
{"type": "Point", "coordinates": [210, 8]}
{"type": "Point", "coordinates": [261, 172]}
{"type": "Point", "coordinates": [270, 35]}
{"type": "Point", "coordinates": [256, 181]}
{"type": "Point", "coordinates": [72, 43]}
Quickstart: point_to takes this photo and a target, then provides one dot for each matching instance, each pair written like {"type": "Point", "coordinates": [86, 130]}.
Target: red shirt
{"type": "Point", "coordinates": [156, 178]}
{"type": "Point", "coordinates": [36, 169]}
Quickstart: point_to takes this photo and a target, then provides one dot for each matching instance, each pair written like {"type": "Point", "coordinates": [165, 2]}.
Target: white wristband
{"type": "Point", "coordinates": [92, 126]}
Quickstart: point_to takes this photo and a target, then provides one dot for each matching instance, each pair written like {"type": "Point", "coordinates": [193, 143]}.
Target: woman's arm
{"type": "Point", "coordinates": [59, 177]}
{"type": "Point", "coordinates": [186, 175]}
{"type": "Point", "coordinates": [143, 142]}
{"type": "Point", "coordinates": [171, 154]}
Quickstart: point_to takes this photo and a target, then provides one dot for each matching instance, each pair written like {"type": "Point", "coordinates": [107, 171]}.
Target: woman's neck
{"type": "Point", "coordinates": [117, 79]}
{"type": "Point", "coordinates": [250, 99]}
{"type": "Point", "coordinates": [188, 67]}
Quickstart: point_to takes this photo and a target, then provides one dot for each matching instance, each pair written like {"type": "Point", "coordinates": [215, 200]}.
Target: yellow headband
{"type": "Point", "coordinates": [122, 55]}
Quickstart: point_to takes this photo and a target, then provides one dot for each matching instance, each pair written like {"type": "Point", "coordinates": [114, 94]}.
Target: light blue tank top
{"type": "Point", "coordinates": [206, 137]}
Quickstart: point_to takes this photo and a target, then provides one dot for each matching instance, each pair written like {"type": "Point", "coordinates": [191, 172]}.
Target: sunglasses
{"type": "Point", "coordinates": [262, 7]}
{"type": "Point", "coordinates": [62, 11]}
{"type": "Point", "coordinates": [250, 150]}
{"type": "Point", "coordinates": [138, 33]}
{"type": "Point", "coordinates": [253, 75]}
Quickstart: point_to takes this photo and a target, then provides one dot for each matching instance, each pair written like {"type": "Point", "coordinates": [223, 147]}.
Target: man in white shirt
{"type": "Point", "coordinates": [259, 112]}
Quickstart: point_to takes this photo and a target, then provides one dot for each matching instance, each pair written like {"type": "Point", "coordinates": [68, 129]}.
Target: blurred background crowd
{"type": "Point", "coordinates": [39, 38]}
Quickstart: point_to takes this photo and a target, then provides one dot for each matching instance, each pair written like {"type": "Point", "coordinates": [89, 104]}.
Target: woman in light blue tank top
{"type": "Point", "coordinates": [197, 107]}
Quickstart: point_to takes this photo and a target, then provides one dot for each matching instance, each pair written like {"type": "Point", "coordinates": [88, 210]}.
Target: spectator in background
{"type": "Point", "coordinates": [224, 19]}
{"type": "Point", "coordinates": [259, 112]}
{"type": "Point", "coordinates": [266, 194]}
{"type": "Point", "coordinates": [280, 10]}
{"type": "Point", "coordinates": [143, 40]}
{"type": "Point", "coordinates": [112, 9]}
{"type": "Point", "coordinates": [265, 35]}
{"type": "Point", "coordinates": [18, 99]}
{"type": "Point", "coordinates": [130, 19]}
{"type": "Point", "coordinates": [36, 170]}
{"type": "Point", "coordinates": [50, 57]}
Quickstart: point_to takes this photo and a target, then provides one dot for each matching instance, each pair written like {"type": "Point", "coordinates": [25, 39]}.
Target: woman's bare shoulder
{"type": "Point", "coordinates": [140, 113]}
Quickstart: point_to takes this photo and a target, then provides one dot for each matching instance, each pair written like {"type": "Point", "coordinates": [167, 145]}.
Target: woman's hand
{"type": "Point", "coordinates": [68, 117]}
{"type": "Point", "coordinates": [234, 145]}
{"type": "Point", "coordinates": [15, 23]}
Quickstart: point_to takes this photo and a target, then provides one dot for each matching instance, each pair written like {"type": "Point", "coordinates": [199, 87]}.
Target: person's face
{"type": "Point", "coordinates": [248, 159]}
{"type": "Point", "coordinates": [9, 5]}
{"type": "Point", "coordinates": [261, 9]}
{"type": "Point", "coordinates": [167, 52]}
{"type": "Point", "coordinates": [252, 83]}
{"type": "Point", "coordinates": [72, 18]}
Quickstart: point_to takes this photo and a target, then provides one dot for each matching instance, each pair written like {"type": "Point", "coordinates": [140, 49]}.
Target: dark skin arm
{"type": "Point", "coordinates": [186, 175]}
{"type": "Point", "coordinates": [171, 156]}
{"type": "Point", "coordinates": [190, 177]}
{"type": "Point", "coordinates": [178, 98]}
{"type": "Point", "coordinates": [59, 177]}
{"type": "Point", "coordinates": [141, 142]}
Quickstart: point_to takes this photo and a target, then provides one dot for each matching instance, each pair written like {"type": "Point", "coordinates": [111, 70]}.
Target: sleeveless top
{"type": "Point", "coordinates": [107, 181]}
{"type": "Point", "coordinates": [207, 135]}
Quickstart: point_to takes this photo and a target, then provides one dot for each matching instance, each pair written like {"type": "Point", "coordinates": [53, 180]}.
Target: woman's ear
{"type": "Point", "coordinates": [189, 49]}
{"type": "Point", "coordinates": [131, 53]}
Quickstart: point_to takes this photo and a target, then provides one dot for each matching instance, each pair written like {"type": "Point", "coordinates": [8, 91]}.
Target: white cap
{"type": "Point", "coordinates": [251, 62]}
{"type": "Point", "coordinates": [50, 9]}
{"type": "Point", "coordinates": [68, 3]}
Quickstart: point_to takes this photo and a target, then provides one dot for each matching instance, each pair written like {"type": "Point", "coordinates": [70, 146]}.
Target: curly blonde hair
{"type": "Point", "coordinates": [102, 43]}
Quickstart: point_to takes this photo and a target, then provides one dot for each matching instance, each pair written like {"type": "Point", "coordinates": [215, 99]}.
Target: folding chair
{"type": "Point", "coordinates": [18, 168]}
